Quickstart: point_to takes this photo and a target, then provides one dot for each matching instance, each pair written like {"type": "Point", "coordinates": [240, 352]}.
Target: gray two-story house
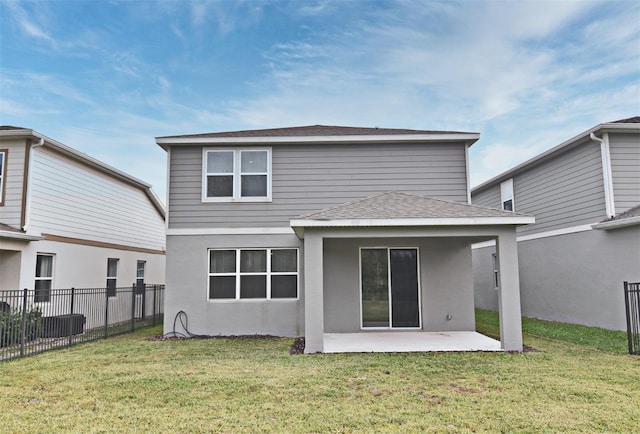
{"type": "Point", "coordinates": [585, 196]}
{"type": "Point", "coordinates": [358, 239]}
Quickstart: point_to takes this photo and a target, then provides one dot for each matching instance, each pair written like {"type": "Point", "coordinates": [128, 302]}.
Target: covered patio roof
{"type": "Point", "coordinates": [401, 215]}
{"type": "Point", "coordinates": [395, 209]}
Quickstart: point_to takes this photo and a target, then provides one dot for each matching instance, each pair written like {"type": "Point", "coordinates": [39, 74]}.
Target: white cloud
{"type": "Point", "coordinates": [32, 24]}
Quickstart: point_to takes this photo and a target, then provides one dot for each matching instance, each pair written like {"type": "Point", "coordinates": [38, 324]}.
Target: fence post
{"type": "Point", "coordinates": [155, 288]}
{"type": "Point", "coordinates": [23, 323]}
{"type": "Point", "coordinates": [133, 307]}
{"type": "Point", "coordinates": [143, 314]}
{"type": "Point", "coordinates": [70, 321]}
{"type": "Point", "coordinates": [106, 312]}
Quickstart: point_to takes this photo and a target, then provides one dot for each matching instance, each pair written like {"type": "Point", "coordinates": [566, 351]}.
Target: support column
{"type": "Point", "coordinates": [509, 291]}
{"type": "Point", "coordinates": [313, 292]}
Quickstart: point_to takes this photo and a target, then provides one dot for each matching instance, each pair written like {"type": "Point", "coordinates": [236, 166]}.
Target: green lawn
{"type": "Point", "coordinates": [578, 380]}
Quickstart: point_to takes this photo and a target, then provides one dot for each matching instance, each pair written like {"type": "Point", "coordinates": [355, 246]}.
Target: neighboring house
{"type": "Point", "coordinates": [319, 230]}
{"type": "Point", "coordinates": [69, 220]}
{"type": "Point", "coordinates": [585, 196]}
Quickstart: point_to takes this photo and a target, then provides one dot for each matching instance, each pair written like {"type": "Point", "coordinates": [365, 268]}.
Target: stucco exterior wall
{"type": "Point", "coordinates": [187, 273]}
{"type": "Point", "coordinates": [445, 282]}
{"type": "Point", "coordinates": [584, 288]}
{"type": "Point", "coordinates": [74, 265]}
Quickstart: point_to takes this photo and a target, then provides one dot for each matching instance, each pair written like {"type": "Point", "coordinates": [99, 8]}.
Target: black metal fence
{"type": "Point", "coordinates": [632, 304]}
{"type": "Point", "coordinates": [63, 317]}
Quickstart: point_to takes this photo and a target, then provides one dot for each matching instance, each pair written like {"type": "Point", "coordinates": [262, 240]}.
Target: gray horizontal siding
{"type": "Point", "coordinates": [308, 178]}
{"type": "Point", "coordinates": [489, 197]}
{"type": "Point", "coordinates": [565, 191]}
{"type": "Point", "coordinates": [625, 168]}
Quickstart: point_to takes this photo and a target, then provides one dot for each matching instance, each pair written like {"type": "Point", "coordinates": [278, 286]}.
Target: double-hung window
{"type": "Point", "coordinates": [253, 274]}
{"type": "Point", "coordinates": [112, 276]}
{"type": "Point", "coordinates": [236, 175]}
{"type": "Point", "coordinates": [44, 278]}
{"type": "Point", "coordinates": [3, 173]}
{"type": "Point", "coordinates": [140, 266]}
{"type": "Point", "coordinates": [506, 195]}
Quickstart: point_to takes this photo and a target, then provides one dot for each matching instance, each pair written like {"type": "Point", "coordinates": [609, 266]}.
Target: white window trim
{"type": "Point", "coordinates": [388, 249]}
{"type": "Point", "coordinates": [506, 194]}
{"type": "Point", "coordinates": [114, 277]}
{"type": "Point", "coordinates": [237, 174]}
{"type": "Point", "coordinates": [238, 274]}
{"type": "Point", "coordinates": [41, 278]}
{"type": "Point", "coordinates": [144, 268]}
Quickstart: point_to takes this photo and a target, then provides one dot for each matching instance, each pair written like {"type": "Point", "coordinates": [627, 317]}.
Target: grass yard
{"type": "Point", "coordinates": [579, 379]}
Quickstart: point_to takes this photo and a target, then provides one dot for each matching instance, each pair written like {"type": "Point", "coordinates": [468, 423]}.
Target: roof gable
{"type": "Point", "coordinates": [629, 125]}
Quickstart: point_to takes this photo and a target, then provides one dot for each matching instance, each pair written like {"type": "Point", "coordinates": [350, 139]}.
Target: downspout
{"type": "Point", "coordinates": [606, 173]}
{"type": "Point", "coordinates": [27, 218]}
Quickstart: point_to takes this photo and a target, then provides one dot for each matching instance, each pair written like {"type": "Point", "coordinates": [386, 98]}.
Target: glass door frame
{"type": "Point", "coordinates": [389, 289]}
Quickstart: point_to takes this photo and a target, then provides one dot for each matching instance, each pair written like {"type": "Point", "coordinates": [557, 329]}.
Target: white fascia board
{"type": "Point", "coordinates": [469, 138]}
{"type": "Point", "coordinates": [540, 235]}
{"type": "Point", "coordinates": [232, 231]}
{"type": "Point", "coordinates": [20, 236]}
{"type": "Point", "coordinates": [615, 224]}
{"type": "Point", "coordinates": [462, 221]}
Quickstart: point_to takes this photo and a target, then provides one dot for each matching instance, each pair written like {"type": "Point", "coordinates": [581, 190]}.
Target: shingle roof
{"type": "Point", "coordinates": [315, 130]}
{"type": "Point", "coordinates": [6, 227]}
{"type": "Point", "coordinates": [633, 212]}
{"type": "Point", "coordinates": [10, 127]}
{"type": "Point", "coordinates": [396, 205]}
{"type": "Point", "coordinates": [633, 120]}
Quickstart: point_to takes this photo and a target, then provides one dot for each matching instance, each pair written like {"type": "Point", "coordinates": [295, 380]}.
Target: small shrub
{"type": "Point", "coordinates": [11, 323]}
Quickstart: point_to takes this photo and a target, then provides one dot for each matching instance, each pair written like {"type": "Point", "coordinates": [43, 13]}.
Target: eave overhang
{"type": "Point", "coordinates": [616, 224]}
{"type": "Point", "coordinates": [299, 225]}
{"type": "Point", "coordinates": [467, 138]}
{"type": "Point", "coordinates": [21, 236]}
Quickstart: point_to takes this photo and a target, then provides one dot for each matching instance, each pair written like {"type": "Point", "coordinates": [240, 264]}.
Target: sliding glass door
{"type": "Point", "coordinates": [389, 288]}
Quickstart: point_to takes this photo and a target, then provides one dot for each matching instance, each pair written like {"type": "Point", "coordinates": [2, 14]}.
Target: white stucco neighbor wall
{"type": "Point", "coordinates": [78, 266]}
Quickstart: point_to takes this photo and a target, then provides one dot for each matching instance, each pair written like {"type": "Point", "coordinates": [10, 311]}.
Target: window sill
{"type": "Point", "coordinates": [237, 200]}
{"type": "Point", "coordinates": [250, 300]}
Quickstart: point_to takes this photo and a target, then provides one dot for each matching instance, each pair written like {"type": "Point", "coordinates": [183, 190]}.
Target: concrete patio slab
{"type": "Point", "coordinates": [400, 342]}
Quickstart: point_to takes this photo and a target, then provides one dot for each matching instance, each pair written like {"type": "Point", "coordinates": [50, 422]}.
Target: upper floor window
{"type": "Point", "coordinates": [44, 278]}
{"type": "Point", "coordinates": [506, 195]}
{"type": "Point", "coordinates": [236, 175]}
{"type": "Point", "coordinates": [3, 171]}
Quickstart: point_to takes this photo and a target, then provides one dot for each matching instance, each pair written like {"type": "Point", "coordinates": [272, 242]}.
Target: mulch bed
{"type": "Point", "coordinates": [297, 347]}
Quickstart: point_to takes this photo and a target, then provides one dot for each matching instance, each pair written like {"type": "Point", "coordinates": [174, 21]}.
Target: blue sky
{"type": "Point", "coordinates": [106, 77]}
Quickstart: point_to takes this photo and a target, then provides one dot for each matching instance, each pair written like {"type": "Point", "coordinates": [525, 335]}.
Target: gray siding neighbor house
{"type": "Point", "coordinates": [327, 232]}
{"type": "Point", "coordinates": [585, 196]}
